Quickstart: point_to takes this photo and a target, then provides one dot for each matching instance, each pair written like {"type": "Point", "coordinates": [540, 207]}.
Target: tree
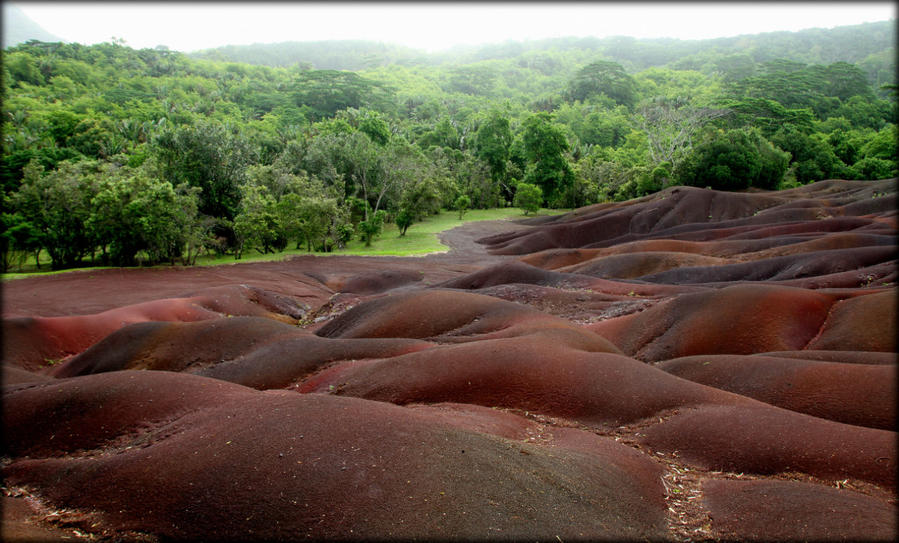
{"type": "Point", "coordinates": [812, 158]}
{"type": "Point", "coordinates": [325, 92]}
{"type": "Point", "coordinates": [404, 220]}
{"type": "Point", "coordinates": [545, 146]}
{"type": "Point", "coordinates": [444, 134]}
{"type": "Point", "coordinates": [734, 160]}
{"type": "Point", "coordinates": [528, 197]}
{"type": "Point", "coordinates": [58, 204]}
{"type": "Point", "coordinates": [604, 77]}
{"type": "Point", "coordinates": [133, 212]}
{"type": "Point", "coordinates": [256, 225]}
{"type": "Point", "coordinates": [670, 125]}
{"type": "Point", "coordinates": [419, 199]}
{"type": "Point", "coordinates": [372, 226]}
{"type": "Point", "coordinates": [492, 143]}
{"type": "Point", "coordinates": [765, 114]}
{"type": "Point", "coordinates": [208, 156]}
{"type": "Point", "coordinates": [461, 204]}
{"type": "Point", "coordinates": [874, 168]}
{"type": "Point", "coordinates": [317, 216]}
{"type": "Point", "coordinates": [17, 237]}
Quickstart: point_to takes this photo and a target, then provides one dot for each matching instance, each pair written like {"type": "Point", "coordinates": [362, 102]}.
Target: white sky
{"type": "Point", "coordinates": [185, 26]}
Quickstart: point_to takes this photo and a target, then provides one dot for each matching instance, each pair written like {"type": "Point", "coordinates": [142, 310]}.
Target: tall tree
{"type": "Point", "coordinates": [492, 143]}
{"type": "Point", "coordinates": [545, 146]}
{"type": "Point", "coordinates": [604, 77]}
{"type": "Point", "coordinates": [670, 125]}
{"type": "Point", "coordinates": [206, 155]}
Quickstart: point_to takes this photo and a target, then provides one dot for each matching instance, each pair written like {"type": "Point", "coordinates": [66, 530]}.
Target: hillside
{"type": "Point", "coordinates": [19, 28]}
{"type": "Point", "coordinates": [258, 158]}
{"type": "Point", "coordinates": [853, 44]}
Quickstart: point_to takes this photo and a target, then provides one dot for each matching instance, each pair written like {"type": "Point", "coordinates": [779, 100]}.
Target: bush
{"type": "Point", "coordinates": [462, 204]}
{"type": "Point", "coordinates": [528, 197]}
{"type": "Point", "coordinates": [734, 160]}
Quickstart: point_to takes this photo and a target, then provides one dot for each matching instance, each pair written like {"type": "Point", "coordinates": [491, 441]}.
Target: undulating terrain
{"type": "Point", "coordinates": [693, 364]}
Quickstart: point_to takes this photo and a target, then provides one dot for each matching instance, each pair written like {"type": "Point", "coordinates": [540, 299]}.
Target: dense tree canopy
{"type": "Point", "coordinates": [122, 156]}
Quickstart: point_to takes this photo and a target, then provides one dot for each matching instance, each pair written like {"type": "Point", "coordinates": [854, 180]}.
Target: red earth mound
{"type": "Point", "coordinates": [623, 382]}
{"type": "Point", "coordinates": [845, 357]}
{"type": "Point", "coordinates": [863, 323]}
{"type": "Point", "coordinates": [251, 351]}
{"type": "Point", "coordinates": [860, 394]}
{"type": "Point", "coordinates": [185, 457]}
{"type": "Point", "coordinates": [30, 342]}
{"type": "Point", "coordinates": [741, 319]}
{"type": "Point", "coordinates": [449, 316]}
{"type": "Point", "coordinates": [679, 210]}
{"type": "Point", "coordinates": [763, 510]}
{"type": "Point", "coordinates": [765, 440]}
{"type": "Point", "coordinates": [528, 373]}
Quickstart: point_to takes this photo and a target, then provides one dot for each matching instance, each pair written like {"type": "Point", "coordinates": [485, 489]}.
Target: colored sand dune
{"type": "Point", "coordinates": [690, 365]}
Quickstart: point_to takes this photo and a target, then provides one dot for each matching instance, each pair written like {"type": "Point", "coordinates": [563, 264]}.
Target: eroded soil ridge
{"type": "Point", "coordinates": [692, 365]}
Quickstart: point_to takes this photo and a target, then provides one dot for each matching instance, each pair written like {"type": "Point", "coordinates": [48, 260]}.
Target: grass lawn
{"type": "Point", "coordinates": [420, 239]}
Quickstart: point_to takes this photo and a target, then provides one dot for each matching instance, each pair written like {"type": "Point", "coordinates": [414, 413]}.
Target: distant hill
{"type": "Point", "coordinates": [851, 44]}
{"type": "Point", "coordinates": [352, 55]}
{"type": "Point", "coordinates": [19, 28]}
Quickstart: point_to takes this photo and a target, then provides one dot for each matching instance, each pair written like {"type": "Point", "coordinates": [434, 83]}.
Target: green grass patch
{"type": "Point", "coordinates": [420, 239]}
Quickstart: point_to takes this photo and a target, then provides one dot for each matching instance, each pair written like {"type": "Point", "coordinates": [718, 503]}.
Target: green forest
{"type": "Point", "coordinates": [117, 156]}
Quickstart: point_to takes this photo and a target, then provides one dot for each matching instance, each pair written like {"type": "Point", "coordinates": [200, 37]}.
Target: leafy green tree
{"type": "Point", "coordinates": [882, 145]}
{"type": "Point", "coordinates": [734, 160]}
{"type": "Point", "coordinates": [404, 220]}
{"type": "Point", "coordinates": [812, 158]}
{"type": "Point", "coordinates": [528, 197]}
{"type": "Point", "coordinates": [325, 92]}
{"type": "Point", "coordinates": [375, 127]}
{"type": "Point", "coordinates": [133, 212]}
{"type": "Point", "coordinates": [420, 198]}
{"type": "Point", "coordinates": [372, 226]}
{"type": "Point", "coordinates": [545, 146]}
{"type": "Point", "coordinates": [462, 204]}
{"type": "Point", "coordinates": [18, 237]}
{"type": "Point", "coordinates": [764, 114]}
{"type": "Point", "coordinates": [604, 77]}
{"type": "Point", "coordinates": [208, 156]}
{"type": "Point", "coordinates": [22, 68]}
{"type": "Point", "coordinates": [256, 225]}
{"type": "Point", "coordinates": [844, 81]}
{"type": "Point", "coordinates": [58, 204]}
{"type": "Point", "coordinates": [317, 216]}
{"type": "Point", "coordinates": [492, 145]}
{"type": "Point", "coordinates": [874, 168]}
{"type": "Point", "coordinates": [444, 134]}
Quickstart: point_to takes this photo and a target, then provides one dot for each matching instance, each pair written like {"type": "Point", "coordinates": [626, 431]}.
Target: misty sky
{"type": "Point", "coordinates": [429, 26]}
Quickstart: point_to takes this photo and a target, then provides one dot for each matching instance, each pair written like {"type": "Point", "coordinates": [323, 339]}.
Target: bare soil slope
{"type": "Point", "coordinates": [689, 365]}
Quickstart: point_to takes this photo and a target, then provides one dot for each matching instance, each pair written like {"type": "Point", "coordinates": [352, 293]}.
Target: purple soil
{"type": "Point", "coordinates": [453, 316]}
{"type": "Point", "coordinates": [763, 510]}
{"type": "Point", "coordinates": [770, 269]}
{"type": "Point", "coordinates": [252, 351]}
{"type": "Point", "coordinates": [209, 460]}
{"type": "Point", "coordinates": [845, 357]}
{"type": "Point", "coordinates": [860, 394]}
{"type": "Point", "coordinates": [765, 440]}
{"type": "Point", "coordinates": [333, 397]}
{"type": "Point", "coordinates": [742, 319]}
{"type": "Point", "coordinates": [528, 374]}
{"type": "Point", "coordinates": [680, 210]}
{"type": "Point", "coordinates": [30, 342]}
